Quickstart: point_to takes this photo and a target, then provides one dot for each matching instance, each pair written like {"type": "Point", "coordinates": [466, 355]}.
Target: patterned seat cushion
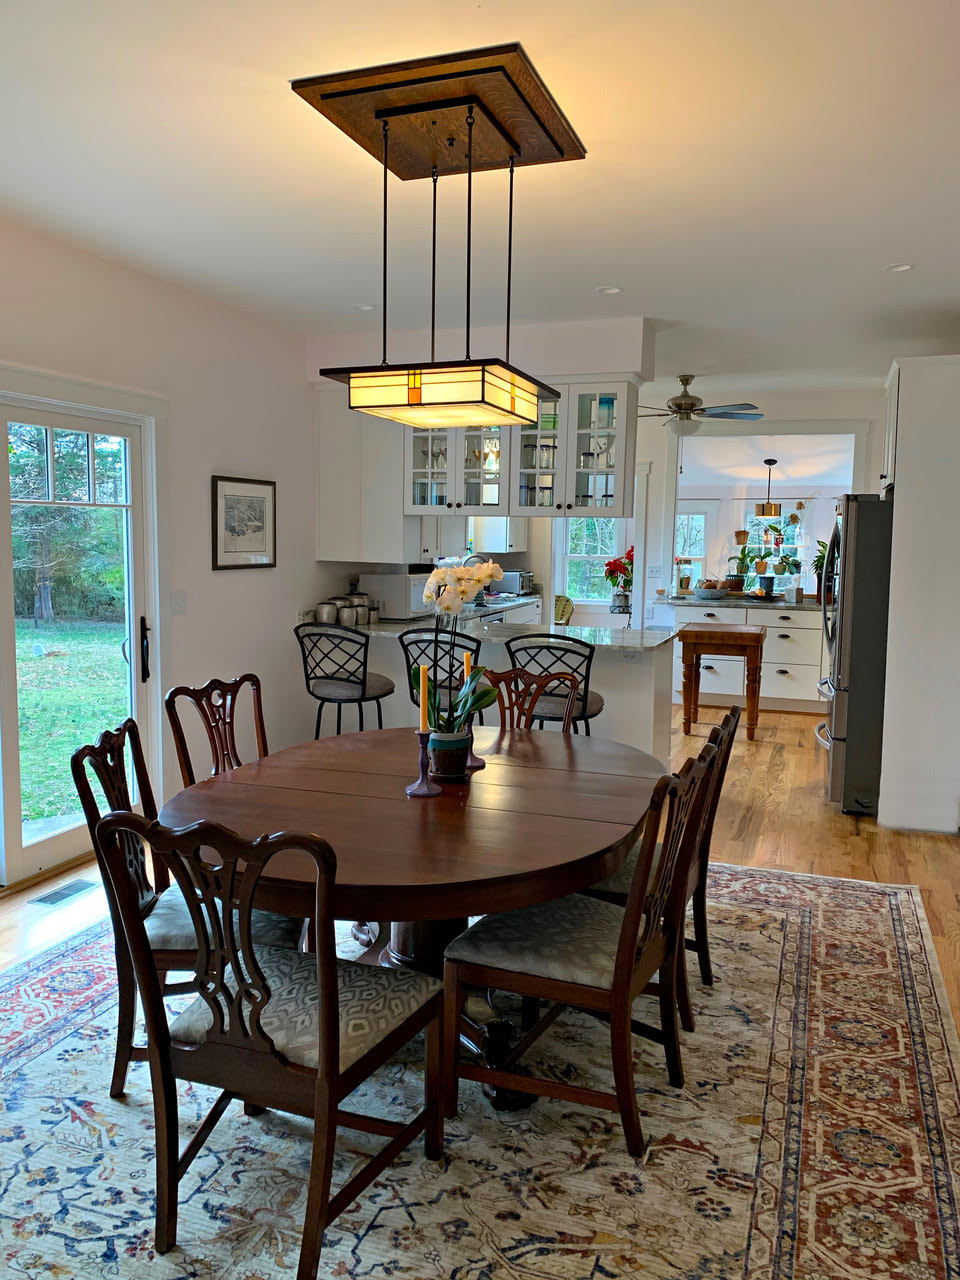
{"type": "Point", "coordinates": [377, 686]}
{"type": "Point", "coordinates": [573, 939]}
{"type": "Point", "coordinates": [373, 1002]}
{"type": "Point", "coordinates": [551, 706]}
{"type": "Point", "coordinates": [169, 927]}
{"type": "Point", "coordinates": [622, 878]}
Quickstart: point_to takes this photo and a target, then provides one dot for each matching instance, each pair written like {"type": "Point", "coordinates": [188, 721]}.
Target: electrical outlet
{"type": "Point", "coordinates": [648, 613]}
{"type": "Point", "coordinates": [653, 571]}
{"type": "Point", "coordinates": [178, 603]}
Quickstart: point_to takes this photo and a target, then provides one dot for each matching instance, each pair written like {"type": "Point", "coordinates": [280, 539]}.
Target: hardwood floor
{"type": "Point", "coordinates": [773, 813]}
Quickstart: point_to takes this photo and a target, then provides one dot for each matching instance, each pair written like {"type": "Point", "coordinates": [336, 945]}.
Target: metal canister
{"type": "Point", "coordinates": [327, 611]}
{"type": "Point", "coordinates": [360, 599]}
{"type": "Point", "coordinates": [347, 616]}
{"type": "Point", "coordinates": [373, 615]}
{"type": "Point", "coordinates": [363, 615]}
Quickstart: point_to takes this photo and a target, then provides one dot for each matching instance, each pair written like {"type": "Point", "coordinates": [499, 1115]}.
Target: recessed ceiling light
{"type": "Point", "coordinates": [609, 289]}
{"type": "Point", "coordinates": [899, 266]}
{"type": "Point", "coordinates": [364, 306]}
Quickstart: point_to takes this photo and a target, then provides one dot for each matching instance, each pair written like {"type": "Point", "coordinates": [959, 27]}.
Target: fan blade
{"type": "Point", "coordinates": [658, 407]}
{"type": "Point", "coordinates": [664, 413]}
{"type": "Point", "coordinates": [740, 417]}
{"type": "Point", "coordinates": [727, 408]}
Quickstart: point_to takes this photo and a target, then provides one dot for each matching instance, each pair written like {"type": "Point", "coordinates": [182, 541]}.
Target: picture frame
{"type": "Point", "coordinates": [243, 523]}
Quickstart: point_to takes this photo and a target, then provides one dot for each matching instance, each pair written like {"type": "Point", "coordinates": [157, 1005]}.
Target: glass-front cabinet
{"type": "Point", "coordinates": [539, 463]}
{"type": "Point", "coordinates": [580, 458]}
{"type": "Point", "coordinates": [465, 471]}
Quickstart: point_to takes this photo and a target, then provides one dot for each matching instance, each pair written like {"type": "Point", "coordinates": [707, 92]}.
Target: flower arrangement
{"type": "Point", "coordinates": [448, 589]}
{"type": "Point", "coordinates": [619, 571]}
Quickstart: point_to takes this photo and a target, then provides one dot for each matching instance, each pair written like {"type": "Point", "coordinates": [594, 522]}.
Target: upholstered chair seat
{"type": "Point", "coordinates": [550, 706]}
{"type": "Point", "coordinates": [169, 927]}
{"type": "Point", "coordinates": [373, 1002]}
{"type": "Point", "coordinates": [622, 878]}
{"type": "Point", "coordinates": [374, 686]}
{"type": "Point", "coordinates": [572, 939]}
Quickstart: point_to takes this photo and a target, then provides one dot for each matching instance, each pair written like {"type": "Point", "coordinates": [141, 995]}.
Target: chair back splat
{"type": "Point", "coordinates": [549, 652]}
{"type": "Point", "coordinates": [518, 691]}
{"type": "Point", "coordinates": [418, 650]}
{"type": "Point", "coordinates": [216, 704]}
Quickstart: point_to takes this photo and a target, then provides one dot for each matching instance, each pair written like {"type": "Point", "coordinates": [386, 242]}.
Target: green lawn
{"type": "Point", "coordinates": [66, 698]}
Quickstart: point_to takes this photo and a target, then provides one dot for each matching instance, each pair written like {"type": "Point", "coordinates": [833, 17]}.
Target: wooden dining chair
{"type": "Point", "coordinates": [519, 690]}
{"type": "Point", "coordinates": [615, 888]}
{"type": "Point", "coordinates": [550, 652]}
{"type": "Point", "coordinates": [216, 704]}
{"type": "Point", "coordinates": [589, 954]}
{"type": "Point", "coordinates": [163, 912]}
{"type": "Point", "coordinates": [298, 1033]}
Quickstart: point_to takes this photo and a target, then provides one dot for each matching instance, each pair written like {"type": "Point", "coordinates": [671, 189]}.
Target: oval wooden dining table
{"type": "Point", "coordinates": [550, 814]}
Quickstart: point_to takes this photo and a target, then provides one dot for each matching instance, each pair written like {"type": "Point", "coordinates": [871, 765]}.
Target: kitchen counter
{"type": "Point", "coordinates": [470, 615]}
{"type": "Point", "coordinates": [737, 602]}
{"type": "Point", "coordinates": [620, 643]}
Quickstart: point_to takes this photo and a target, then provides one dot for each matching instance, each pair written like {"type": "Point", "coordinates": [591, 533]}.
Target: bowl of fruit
{"type": "Point", "coordinates": [709, 589]}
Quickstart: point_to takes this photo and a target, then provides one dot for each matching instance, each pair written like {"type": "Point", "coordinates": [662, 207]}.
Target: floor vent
{"type": "Point", "coordinates": [69, 890]}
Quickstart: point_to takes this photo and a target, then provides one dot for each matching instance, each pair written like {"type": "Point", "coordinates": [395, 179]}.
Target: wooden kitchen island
{"type": "Point", "coordinates": [725, 640]}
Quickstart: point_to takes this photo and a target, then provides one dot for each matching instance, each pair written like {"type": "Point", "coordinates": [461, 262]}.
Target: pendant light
{"type": "Point", "coordinates": [768, 508]}
{"type": "Point", "coordinates": [450, 115]}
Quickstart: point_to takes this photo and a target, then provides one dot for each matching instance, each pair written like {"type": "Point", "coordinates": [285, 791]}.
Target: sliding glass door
{"type": "Point", "coordinates": [75, 658]}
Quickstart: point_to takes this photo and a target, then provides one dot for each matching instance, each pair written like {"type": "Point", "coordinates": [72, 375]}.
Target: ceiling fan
{"type": "Point", "coordinates": [685, 411]}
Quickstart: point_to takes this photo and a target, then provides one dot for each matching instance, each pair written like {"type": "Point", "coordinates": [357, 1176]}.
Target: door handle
{"type": "Point", "coordinates": [784, 636]}
{"type": "Point", "coordinates": [144, 651]}
{"type": "Point", "coordinates": [825, 687]}
{"type": "Point", "coordinates": [823, 735]}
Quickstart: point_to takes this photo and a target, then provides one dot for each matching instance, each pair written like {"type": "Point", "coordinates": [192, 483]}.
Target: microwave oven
{"type": "Point", "coordinates": [515, 582]}
{"type": "Point", "coordinates": [397, 595]}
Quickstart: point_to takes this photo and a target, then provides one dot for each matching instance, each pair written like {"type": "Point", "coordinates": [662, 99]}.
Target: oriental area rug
{"type": "Point", "coordinates": [817, 1137]}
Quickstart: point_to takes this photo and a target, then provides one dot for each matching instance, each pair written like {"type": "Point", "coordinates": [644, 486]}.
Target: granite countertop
{"type": "Point", "coordinates": [738, 602]}
{"type": "Point", "coordinates": [622, 641]}
{"type": "Point", "coordinates": [470, 614]}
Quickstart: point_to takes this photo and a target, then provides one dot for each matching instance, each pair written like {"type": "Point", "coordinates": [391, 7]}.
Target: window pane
{"type": "Point", "coordinates": [28, 461]}
{"type": "Point", "coordinates": [109, 453]}
{"type": "Point", "coordinates": [70, 474]}
{"type": "Point", "coordinates": [596, 536]}
{"type": "Point", "coordinates": [585, 580]}
{"type": "Point", "coordinates": [691, 533]}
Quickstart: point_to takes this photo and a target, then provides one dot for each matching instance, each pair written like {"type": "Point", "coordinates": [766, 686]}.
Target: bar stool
{"type": "Point", "coordinates": [545, 652]}
{"type": "Point", "coordinates": [417, 646]}
{"type": "Point", "coordinates": [335, 670]}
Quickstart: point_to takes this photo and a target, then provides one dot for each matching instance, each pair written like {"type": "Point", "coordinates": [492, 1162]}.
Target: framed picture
{"type": "Point", "coordinates": [244, 523]}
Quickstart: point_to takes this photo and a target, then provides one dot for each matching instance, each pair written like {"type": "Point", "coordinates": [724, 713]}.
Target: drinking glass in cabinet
{"type": "Point", "coordinates": [548, 457]}
{"type": "Point", "coordinates": [545, 492]}
{"type": "Point", "coordinates": [529, 453]}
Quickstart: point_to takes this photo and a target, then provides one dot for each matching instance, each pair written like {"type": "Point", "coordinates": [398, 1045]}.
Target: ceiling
{"type": "Point", "coordinates": [804, 462]}
{"type": "Point", "coordinates": [752, 166]}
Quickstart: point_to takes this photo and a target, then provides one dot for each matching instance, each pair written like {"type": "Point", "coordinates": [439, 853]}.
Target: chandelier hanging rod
{"type": "Point", "coordinates": [386, 170]}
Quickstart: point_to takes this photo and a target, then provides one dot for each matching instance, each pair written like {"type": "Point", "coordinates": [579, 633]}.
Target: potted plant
{"type": "Point", "coordinates": [741, 567]}
{"type": "Point", "coordinates": [816, 564]}
{"type": "Point", "coordinates": [741, 537]}
{"type": "Point", "coordinates": [760, 566]}
{"type": "Point", "coordinates": [619, 573]}
{"type": "Point", "coordinates": [448, 589]}
{"type": "Point", "coordinates": [788, 563]}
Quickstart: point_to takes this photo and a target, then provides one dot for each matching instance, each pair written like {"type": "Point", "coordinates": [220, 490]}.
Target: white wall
{"type": "Point", "coordinates": [920, 778]}
{"type": "Point", "coordinates": [237, 403]}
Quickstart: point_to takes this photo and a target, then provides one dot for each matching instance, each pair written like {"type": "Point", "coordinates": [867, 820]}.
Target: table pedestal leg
{"type": "Point", "coordinates": [753, 694]}
{"type": "Point", "coordinates": [484, 1033]}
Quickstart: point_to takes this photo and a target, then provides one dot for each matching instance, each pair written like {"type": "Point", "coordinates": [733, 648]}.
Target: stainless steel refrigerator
{"type": "Point", "coordinates": [856, 595]}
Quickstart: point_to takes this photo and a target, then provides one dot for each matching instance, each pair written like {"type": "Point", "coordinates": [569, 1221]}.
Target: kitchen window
{"type": "Point", "coordinates": [584, 545]}
{"type": "Point", "coordinates": [691, 543]}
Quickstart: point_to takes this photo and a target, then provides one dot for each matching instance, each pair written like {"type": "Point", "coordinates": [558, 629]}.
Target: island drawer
{"type": "Point", "coordinates": [793, 680]}
{"type": "Point", "coordinates": [788, 645]}
{"type": "Point", "coordinates": [800, 619]}
{"type": "Point", "coordinates": [684, 613]}
{"type": "Point", "coordinates": [717, 675]}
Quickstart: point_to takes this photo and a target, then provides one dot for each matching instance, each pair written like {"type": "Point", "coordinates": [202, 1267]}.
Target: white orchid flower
{"type": "Point", "coordinates": [449, 603]}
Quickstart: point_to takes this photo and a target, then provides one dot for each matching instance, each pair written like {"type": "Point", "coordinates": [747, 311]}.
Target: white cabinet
{"type": "Point", "coordinates": [442, 536]}
{"type": "Point", "coordinates": [495, 534]}
{"type": "Point", "coordinates": [890, 428]}
{"type": "Point", "coordinates": [360, 514]}
{"type": "Point", "coordinates": [463, 471]}
{"type": "Point", "coordinates": [525, 613]}
{"type": "Point", "coordinates": [580, 457]}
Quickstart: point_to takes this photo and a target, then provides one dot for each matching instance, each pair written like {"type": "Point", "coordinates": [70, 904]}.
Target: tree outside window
{"type": "Point", "coordinates": [690, 542]}
{"type": "Point", "coordinates": [589, 544]}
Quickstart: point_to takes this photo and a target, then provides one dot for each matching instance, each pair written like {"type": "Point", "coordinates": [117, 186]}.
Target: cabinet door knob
{"type": "Point", "coordinates": [883, 475]}
{"type": "Point", "coordinates": [459, 504]}
{"type": "Point", "coordinates": [709, 615]}
{"type": "Point", "coordinates": [449, 504]}
{"type": "Point", "coordinates": [569, 506]}
{"type": "Point", "coordinates": [784, 617]}
{"type": "Point", "coordinates": [784, 636]}
{"type": "Point", "coordinates": [509, 546]}
{"type": "Point", "coordinates": [708, 667]}
{"type": "Point", "coordinates": [559, 506]}
{"type": "Point", "coordinates": [782, 671]}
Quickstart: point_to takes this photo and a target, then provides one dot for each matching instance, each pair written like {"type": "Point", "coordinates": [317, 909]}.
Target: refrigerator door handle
{"type": "Point", "coordinates": [830, 577]}
{"type": "Point", "coordinates": [825, 688]}
{"type": "Point", "coordinates": [823, 735]}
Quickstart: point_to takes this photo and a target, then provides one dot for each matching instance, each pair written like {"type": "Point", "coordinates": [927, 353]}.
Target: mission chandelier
{"type": "Point", "coordinates": [427, 118]}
